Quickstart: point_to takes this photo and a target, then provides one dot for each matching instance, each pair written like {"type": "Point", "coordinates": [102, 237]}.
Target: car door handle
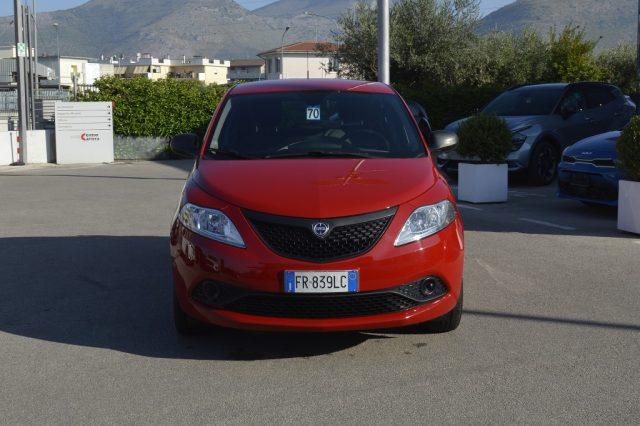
{"type": "Point", "coordinates": [617, 113]}
{"type": "Point", "coordinates": [588, 119]}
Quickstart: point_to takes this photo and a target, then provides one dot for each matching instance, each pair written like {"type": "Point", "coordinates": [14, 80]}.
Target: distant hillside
{"type": "Point", "coordinates": [289, 8]}
{"type": "Point", "coordinates": [220, 28]}
{"type": "Point", "coordinates": [613, 20]}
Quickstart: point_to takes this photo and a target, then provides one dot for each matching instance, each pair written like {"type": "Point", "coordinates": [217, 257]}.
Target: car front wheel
{"type": "Point", "coordinates": [448, 322]}
{"type": "Point", "coordinates": [543, 167]}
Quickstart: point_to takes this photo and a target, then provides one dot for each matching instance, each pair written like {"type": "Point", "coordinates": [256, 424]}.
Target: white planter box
{"type": "Point", "coordinates": [629, 206]}
{"type": "Point", "coordinates": [483, 183]}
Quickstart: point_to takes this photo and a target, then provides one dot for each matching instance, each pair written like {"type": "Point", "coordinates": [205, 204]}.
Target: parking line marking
{"type": "Point", "coordinates": [464, 206]}
{"type": "Point", "coordinates": [552, 225]}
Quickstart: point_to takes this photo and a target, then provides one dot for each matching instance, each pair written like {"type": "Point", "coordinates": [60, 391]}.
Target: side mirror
{"type": "Point", "coordinates": [186, 145]}
{"type": "Point", "coordinates": [443, 140]}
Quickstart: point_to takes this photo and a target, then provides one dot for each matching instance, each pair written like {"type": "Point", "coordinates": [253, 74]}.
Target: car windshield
{"type": "Point", "coordinates": [521, 102]}
{"type": "Point", "coordinates": [315, 124]}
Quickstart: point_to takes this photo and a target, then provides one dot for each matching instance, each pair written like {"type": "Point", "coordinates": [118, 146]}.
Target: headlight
{"type": "Point", "coordinates": [426, 221]}
{"type": "Point", "coordinates": [210, 223]}
{"type": "Point", "coordinates": [518, 140]}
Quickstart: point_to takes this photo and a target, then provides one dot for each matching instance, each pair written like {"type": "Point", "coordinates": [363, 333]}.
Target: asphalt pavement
{"type": "Point", "coordinates": [550, 333]}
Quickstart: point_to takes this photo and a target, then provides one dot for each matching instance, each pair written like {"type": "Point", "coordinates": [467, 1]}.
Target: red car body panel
{"type": "Point", "coordinates": [315, 188]}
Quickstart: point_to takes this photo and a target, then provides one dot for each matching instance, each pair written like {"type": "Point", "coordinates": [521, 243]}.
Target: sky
{"type": "Point", "coordinates": [6, 6]}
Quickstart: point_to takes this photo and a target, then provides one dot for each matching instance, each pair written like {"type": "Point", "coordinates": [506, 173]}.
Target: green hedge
{"type": "Point", "coordinates": [447, 104]}
{"type": "Point", "coordinates": [628, 147]}
{"type": "Point", "coordinates": [164, 107]}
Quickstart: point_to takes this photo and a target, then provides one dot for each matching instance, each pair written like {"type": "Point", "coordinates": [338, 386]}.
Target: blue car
{"type": "Point", "coordinates": [588, 173]}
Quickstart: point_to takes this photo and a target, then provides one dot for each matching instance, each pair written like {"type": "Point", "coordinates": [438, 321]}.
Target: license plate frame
{"type": "Point", "coordinates": [334, 282]}
{"type": "Point", "coordinates": [580, 179]}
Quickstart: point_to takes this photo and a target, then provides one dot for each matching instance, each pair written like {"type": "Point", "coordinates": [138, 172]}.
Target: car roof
{"type": "Point", "coordinates": [311, 84]}
{"type": "Point", "coordinates": [542, 86]}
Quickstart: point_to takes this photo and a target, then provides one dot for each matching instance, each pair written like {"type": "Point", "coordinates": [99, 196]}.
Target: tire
{"type": "Point", "coordinates": [448, 322]}
{"type": "Point", "coordinates": [184, 324]}
{"type": "Point", "coordinates": [543, 165]}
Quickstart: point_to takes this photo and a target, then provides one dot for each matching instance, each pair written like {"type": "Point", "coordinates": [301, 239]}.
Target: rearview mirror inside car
{"type": "Point", "coordinates": [443, 140]}
{"type": "Point", "coordinates": [186, 145]}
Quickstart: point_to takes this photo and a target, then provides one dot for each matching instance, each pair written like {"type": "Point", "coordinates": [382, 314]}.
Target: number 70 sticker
{"type": "Point", "coordinates": [313, 112]}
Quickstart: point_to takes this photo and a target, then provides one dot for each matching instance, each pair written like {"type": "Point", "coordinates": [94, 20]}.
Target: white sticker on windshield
{"type": "Point", "coordinates": [313, 112]}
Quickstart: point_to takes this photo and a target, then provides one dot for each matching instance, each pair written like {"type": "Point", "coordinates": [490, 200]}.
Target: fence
{"type": "Point", "coordinates": [44, 105]}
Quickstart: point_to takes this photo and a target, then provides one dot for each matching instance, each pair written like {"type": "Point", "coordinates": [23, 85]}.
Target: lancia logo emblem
{"type": "Point", "coordinates": [321, 229]}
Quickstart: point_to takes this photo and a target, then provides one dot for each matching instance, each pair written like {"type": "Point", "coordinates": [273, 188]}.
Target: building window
{"type": "Point", "coordinates": [277, 64]}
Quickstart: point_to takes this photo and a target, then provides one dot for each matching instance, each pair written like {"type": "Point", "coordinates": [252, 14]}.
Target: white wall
{"type": "Point", "coordinates": [301, 65]}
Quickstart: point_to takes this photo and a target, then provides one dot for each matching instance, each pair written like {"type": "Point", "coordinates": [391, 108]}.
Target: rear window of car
{"type": "Point", "coordinates": [526, 101]}
{"type": "Point", "coordinates": [315, 124]}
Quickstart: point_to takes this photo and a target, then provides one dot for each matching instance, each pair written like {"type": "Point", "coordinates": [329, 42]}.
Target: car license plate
{"type": "Point", "coordinates": [321, 281]}
{"type": "Point", "coordinates": [580, 179]}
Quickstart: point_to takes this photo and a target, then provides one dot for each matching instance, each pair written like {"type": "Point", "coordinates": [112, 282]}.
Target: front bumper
{"type": "Point", "coordinates": [257, 270]}
{"type": "Point", "coordinates": [598, 185]}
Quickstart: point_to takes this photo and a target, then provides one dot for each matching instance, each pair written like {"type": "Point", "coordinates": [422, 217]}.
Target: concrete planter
{"type": "Point", "coordinates": [629, 206]}
{"type": "Point", "coordinates": [483, 183]}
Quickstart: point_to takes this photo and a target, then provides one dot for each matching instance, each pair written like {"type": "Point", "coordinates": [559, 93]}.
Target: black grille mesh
{"type": "Point", "coordinates": [298, 242]}
{"type": "Point", "coordinates": [316, 307]}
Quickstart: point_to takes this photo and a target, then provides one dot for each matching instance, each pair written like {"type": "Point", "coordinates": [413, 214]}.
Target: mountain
{"type": "Point", "coordinates": [291, 8]}
{"type": "Point", "coordinates": [213, 28]}
{"type": "Point", "coordinates": [613, 20]}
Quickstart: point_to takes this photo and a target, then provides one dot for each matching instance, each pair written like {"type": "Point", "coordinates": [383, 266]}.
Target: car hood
{"type": "Point", "coordinates": [515, 124]}
{"type": "Point", "coordinates": [316, 188]}
{"type": "Point", "coordinates": [595, 146]}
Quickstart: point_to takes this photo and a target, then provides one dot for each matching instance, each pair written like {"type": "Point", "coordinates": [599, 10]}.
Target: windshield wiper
{"type": "Point", "coordinates": [230, 153]}
{"type": "Point", "coordinates": [320, 154]}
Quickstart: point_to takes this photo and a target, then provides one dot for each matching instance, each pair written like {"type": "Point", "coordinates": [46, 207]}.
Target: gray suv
{"type": "Point", "coordinates": [546, 118]}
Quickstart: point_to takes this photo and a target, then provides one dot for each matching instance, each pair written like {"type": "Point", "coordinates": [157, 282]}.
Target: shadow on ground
{"type": "Point", "coordinates": [115, 293]}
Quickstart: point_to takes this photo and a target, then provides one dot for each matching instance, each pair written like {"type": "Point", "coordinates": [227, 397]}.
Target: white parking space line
{"type": "Point", "coordinates": [549, 224]}
{"type": "Point", "coordinates": [520, 194]}
{"type": "Point", "coordinates": [464, 206]}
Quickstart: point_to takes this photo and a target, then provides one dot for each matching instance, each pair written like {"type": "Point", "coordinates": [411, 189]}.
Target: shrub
{"type": "Point", "coordinates": [618, 66]}
{"type": "Point", "coordinates": [165, 107]}
{"type": "Point", "coordinates": [628, 147]}
{"type": "Point", "coordinates": [486, 137]}
{"type": "Point", "coordinates": [571, 56]}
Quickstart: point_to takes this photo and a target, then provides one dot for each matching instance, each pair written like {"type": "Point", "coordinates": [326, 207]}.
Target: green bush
{"type": "Point", "coordinates": [486, 137]}
{"type": "Point", "coordinates": [165, 107]}
{"type": "Point", "coordinates": [628, 147]}
{"type": "Point", "coordinates": [618, 66]}
{"type": "Point", "coordinates": [571, 56]}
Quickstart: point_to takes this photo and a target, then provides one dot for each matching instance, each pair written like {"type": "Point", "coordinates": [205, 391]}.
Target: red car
{"type": "Point", "coordinates": [315, 205]}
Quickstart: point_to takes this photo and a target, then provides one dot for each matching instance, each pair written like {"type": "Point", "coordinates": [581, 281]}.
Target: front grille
{"type": "Point", "coordinates": [598, 162]}
{"type": "Point", "coordinates": [314, 306]}
{"type": "Point", "coordinates": [347, 237]}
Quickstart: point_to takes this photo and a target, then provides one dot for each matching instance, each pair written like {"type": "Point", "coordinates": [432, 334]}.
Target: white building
{"type": "Point", "coordinates": [307, 59]}
{"type": "Point", "coordinates": [75, 70]}
{"type": "Point", "coordinates": [198, 68]}
{"type": "Point", "coordinates": [246, 70]}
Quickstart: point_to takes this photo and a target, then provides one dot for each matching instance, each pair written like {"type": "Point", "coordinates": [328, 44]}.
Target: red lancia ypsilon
{"type": "Point", "coordinates": [315, 205]}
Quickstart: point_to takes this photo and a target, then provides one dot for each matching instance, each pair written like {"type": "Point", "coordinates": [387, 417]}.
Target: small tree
{"type": "Point", "coordinates": [618, 66]}
{"type": "Point", "coordinates": [486, 137]}
{"type": "Point", "coordinates": [628, 148]}
{"type": "Point", "coordinates": [571, 56]}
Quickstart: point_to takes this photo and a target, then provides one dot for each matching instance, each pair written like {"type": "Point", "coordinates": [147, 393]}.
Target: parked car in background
{"type": "Point", "coordinates": [547, 118]}
{"type": "Point", "coordinates": [588, 171]}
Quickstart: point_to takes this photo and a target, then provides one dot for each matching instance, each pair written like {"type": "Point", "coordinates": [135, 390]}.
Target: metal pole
{"type": "Point", "coordinates": [35, 43]}
{"type": "Point", "coordinates": [282, 52]}
{"type": "Point", "coordinates": [22, 101]}
{"type": "Point", "coordinates": [638, 46]}
{"type": "Point", "coordinates": [383, 41]}
{"type": "Point", "coordinates": [57, 26]}
{"type": "Point", "coordinates": [31, 104]}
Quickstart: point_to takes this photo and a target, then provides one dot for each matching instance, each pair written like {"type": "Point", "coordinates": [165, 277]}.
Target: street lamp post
{"type": "Point", "coordinates": [282, 51]}
{"type": "Point", "coordinates": [57, 27]}
{"type": "Point", "coordinates": [383, 41]}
